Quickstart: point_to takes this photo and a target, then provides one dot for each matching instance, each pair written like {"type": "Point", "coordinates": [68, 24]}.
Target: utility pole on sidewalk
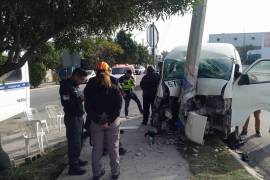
{"type": "Point", "coordinates": [193, 52]}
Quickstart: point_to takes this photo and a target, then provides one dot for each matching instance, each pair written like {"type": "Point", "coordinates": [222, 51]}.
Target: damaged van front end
{"type": "Point", "coordinates": [213, 98]}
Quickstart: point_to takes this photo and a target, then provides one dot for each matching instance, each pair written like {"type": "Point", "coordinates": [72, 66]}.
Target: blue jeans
{"type": "Point", "coordinates": [135, 98]}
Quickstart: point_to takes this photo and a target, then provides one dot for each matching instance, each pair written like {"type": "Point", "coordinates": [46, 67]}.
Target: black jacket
{"type": "Point", "coordinates": [70, 98]}
{"type": "Point", "coordinates": [100, 100]}
{"type": "Point", "coordinates": [149, 85]}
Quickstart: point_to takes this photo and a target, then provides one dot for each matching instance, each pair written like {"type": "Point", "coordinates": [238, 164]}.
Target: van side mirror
{"type": "Point", "coordinates": [244, 80]}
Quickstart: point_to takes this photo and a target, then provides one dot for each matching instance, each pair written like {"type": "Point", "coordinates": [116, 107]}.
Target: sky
{"type": "Point", "coordinates": [222, 16]}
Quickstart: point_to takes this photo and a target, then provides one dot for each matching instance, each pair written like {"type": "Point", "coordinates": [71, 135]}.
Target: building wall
{"type": "Point", "coordinates": [238, 39]}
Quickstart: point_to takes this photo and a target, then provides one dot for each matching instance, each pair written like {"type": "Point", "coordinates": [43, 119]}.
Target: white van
{"type": "Point", "coordinates": [226, 100]}
{"type": "Point", "coordinates": [14, 92]}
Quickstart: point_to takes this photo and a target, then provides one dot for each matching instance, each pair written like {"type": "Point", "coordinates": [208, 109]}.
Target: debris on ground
{"type": "Point", "coordinates": [212, 161]}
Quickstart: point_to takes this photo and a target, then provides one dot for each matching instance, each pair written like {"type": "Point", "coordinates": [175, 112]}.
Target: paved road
{"type": "Point", "coordinates": [50, 95]}
{"type": "Point", "coordinates": [39, 98]}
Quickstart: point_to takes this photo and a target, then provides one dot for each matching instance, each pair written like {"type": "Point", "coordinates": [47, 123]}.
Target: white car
{"type": "Point", "coordinates": [139, 70]}
{"type": "Point", "coordinates": [225, 99]}
{"type": "Point", "coordinates": [119, 71]}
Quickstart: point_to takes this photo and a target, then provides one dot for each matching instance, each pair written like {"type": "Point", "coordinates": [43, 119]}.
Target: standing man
{"type": "Point", "coordinates": [149, 84]}
{"type": "Point", "coordinates": [257, 125]}
{"type": "Point", "coordinates": [71, 100]}
{"type": "Point", "coordinates": [127, 83]}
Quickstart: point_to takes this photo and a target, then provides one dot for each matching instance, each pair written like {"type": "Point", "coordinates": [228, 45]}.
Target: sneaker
{"type": "Point", "coordinates": [122, 151]}
{"type": "Point", "coordinates": [102, 173]}
{"type": "Point", "coordinates": [82, 163]}
{"type": "Point", "coordinates": [258, 134]}
{"type": "Point", "coordinates": [76, 171]}
{"type": "Point", "coordinates": [127, 117]}
{"type": "Point", "coordinates": [115, 176]}
{"type": "Point", "coordinates": [243, 135]}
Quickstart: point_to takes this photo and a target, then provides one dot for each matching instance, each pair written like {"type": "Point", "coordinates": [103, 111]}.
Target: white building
{"type": "Point", "coordinates": [239, 39]}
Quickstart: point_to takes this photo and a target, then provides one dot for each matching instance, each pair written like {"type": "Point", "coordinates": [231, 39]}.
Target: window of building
{"type": "Point", "coordinates": [218, 39]}
{"type": "Point", "coordinates": [253, 38]}
{"type": "Point", "coordinates": [235, 38]}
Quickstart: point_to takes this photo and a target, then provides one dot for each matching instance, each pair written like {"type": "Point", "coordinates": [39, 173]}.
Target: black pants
{"type": "Point", "coordinates": [74, 129]}
{"type": "Point", "coordinates": [147, 103]}
{"type": "Point", "coordinates": [135, 98]}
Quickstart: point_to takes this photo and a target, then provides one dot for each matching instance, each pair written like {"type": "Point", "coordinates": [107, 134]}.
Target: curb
{"type": "Point", "coordinates": [251, 171]}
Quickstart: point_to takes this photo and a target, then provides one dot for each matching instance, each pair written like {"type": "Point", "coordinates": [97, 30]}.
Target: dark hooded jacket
{"type": "Point", "coordinates": [100, 100]}
{"type": "Point", "coordinates": [70, 98]}
{"type": "Point", "coordinates": [149, 84]}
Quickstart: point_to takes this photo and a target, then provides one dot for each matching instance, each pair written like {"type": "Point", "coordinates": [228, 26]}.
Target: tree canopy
{"type": "Point", "coordinates": [25, 25]}
{"type": "Point", "coordinates": [94, 49]}
{"type": "Point", "coordinates": [129, 46]}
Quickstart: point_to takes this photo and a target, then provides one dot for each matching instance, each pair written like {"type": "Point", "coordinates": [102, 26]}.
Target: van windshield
{"type": "Point", "coordinates": [214, 68]}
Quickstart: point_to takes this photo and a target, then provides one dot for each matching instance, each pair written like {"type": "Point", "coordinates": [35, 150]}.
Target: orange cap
{"type": "Point", "coordinates": [102, 66]}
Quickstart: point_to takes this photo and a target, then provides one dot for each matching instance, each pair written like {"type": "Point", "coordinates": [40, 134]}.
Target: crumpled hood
{"type": "Point", "coordinates": [210, 87]}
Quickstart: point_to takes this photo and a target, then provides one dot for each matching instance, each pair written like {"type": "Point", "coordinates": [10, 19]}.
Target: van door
{"type": "Point", "coordinates": [251, 92]}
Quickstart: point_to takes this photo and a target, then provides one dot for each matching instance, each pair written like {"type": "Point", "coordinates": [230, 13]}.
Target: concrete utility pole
{"type": "Point", "coordinates": [153, 45]}
{"type": "Point", "coordinates": [194, 50]}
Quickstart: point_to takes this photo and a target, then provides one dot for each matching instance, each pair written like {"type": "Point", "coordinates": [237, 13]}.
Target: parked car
{"type": "Point", "coordinates": [139, 70]}
{"type": "Point", "coordinates": [226, 100]}
{"type": "Point", "coordinates": [120, 70]}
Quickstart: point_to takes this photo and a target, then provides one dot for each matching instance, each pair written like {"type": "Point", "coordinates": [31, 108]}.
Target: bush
{"type": "Point", "coordinates": [37, 72]}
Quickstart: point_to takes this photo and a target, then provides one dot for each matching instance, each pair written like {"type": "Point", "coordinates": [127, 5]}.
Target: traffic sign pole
{"type": "Point", "coordinates": [152, 38]}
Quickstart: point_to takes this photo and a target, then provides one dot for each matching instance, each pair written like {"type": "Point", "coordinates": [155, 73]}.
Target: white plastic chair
{"type": "Point", "coordinates": [55, 115]}
{"type": "Point", "coordinates": [33, 130]}
{"type": "Point", "coordinates": [32, 114]}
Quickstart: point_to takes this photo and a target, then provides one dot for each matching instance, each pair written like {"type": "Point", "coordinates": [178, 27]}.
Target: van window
{"type": "Point", "coordinates": [260, 72]}
{"type": "Point", "coordinates": [174, 69]}
{"type": "Point", "coordinates": [15, 75]}
{"type": "Point", "coordinates": [215, 68]}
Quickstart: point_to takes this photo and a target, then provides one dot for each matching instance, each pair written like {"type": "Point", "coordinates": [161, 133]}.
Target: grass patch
{"type": "Point", "coordinates": [212, 161]}
{"type": "Point", "coordinates": [48, 167]}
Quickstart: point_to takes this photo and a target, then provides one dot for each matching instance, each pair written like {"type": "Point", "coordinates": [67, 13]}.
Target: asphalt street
{"type": "Point", "coordinates": [42, 97]}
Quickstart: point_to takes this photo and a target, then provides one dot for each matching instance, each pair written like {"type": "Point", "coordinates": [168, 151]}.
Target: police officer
{"type": "Point", "coordinates": [127, 83]}
{"type": "Point", "coordinates": [149, 84]}
{"type": "Point", "coordinates": [72, 99]}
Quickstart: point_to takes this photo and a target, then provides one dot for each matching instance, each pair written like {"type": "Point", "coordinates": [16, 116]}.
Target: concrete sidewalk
{"type": "Point", "coordinates": [142, 161]}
